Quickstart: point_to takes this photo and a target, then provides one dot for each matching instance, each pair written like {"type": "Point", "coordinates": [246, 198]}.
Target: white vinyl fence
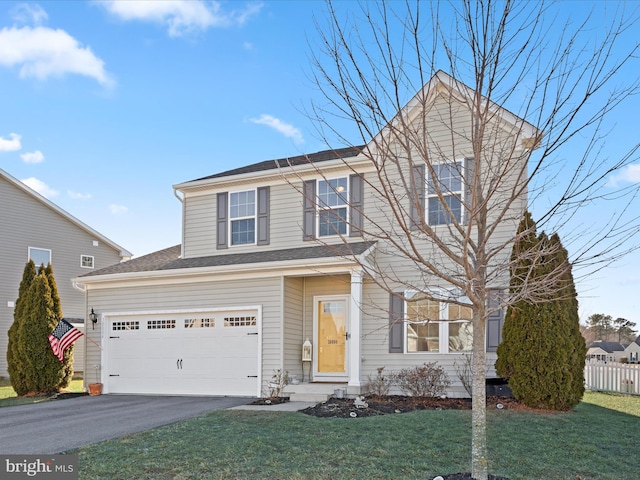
{"type": "Point", "coordinates": [612, 377]}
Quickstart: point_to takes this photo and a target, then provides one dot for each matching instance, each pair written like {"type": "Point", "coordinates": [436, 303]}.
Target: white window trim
{"type": "Point", "coordinates": [461, 192]}
{"type": "Point", "coordinates": [44, 250]}
{"type": "Point", "coordinates": [443, 324]}
{"type": "Point", "coordinates": [93, 261]}
{"type": "Point", "coordinates": [249, 217]}
{"type": "Point", "coordinates": [320, 208]}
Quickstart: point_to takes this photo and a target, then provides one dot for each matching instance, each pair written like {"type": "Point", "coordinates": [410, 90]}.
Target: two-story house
{"type": "Point", "coordinates": [33, 228]}
{"type": "Point", "coordinates": [276, 253]}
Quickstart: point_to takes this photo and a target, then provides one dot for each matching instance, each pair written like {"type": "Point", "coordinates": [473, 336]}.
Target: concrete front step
{"type": "Point", "coordinates": [314, 392]}
{"type": "Point", "coordinates": [308, 397]}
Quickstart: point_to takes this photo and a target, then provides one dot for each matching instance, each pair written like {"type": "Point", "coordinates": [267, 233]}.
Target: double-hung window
{"type": "Point", "coordinates": [438, 326]}
{"type": "Point", "coordinates": [444, 193]}
{"type": "Point", "coordinates": [333, 206]}
{"type": "Point", "coordinates": [242, 215]}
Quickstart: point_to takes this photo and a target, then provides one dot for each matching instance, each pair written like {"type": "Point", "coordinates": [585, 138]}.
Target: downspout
{"type": "Point", "coordinates": [181, 200]}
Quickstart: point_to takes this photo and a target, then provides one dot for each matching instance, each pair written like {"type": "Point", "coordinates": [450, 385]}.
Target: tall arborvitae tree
{"type": "Point", "coordinates": [516, 324]}
{"type": "Point", "coordinates": [57, 310]}
{"type": "Point", "coordinates": [15, 362]}
{"type": "Point", "coordinates": [543, 351]}
{"type": "Point", "coordinates": [43, 372]}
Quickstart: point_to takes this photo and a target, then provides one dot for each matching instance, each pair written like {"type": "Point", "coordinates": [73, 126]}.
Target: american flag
{"type": "Point", "coordinates": [63, 336]}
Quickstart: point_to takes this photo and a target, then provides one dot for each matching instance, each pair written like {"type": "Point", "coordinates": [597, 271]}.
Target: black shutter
{"type": "Point", "coordinates": [263, 216]}
{"type": "Point", "coordinates": [417, 206]}
{"type": "Point", "coordinates": [356, 201]}
{"type": "Point", "coordinates": [495, 321]}
{"type": "Point", "coordinates": [222, 235]}
{"type": "Point", "coordinates": [309, 215]}
{"type": "Point", "coordinates": [396, 323]}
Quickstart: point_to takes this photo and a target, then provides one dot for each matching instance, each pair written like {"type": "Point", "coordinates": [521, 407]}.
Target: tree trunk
{"type": "Point", "coordinates": [479, 400]}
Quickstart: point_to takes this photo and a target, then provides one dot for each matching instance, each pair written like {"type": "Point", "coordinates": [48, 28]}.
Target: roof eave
{"type": "Point", "coordinates": [286, 267]}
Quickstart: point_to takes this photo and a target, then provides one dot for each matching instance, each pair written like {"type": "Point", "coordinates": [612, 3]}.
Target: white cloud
{"type": "Point", "coordinates": [629, 174]}
{"type": "Point", "coordinates": [32, 157]}
{"type": "Point", "coordinates": [181, 17]}
{"type": "Point", "coordinates": [40, 187]}
{"type": "Point", "coordinates": [42, 52]}
{"type": "Point", "coordinates": [29, 13]}
{"type": "Point", "coordinates": [12, 144]}
{"type": "Point", "coordinates": [118, 209]}
{"type": "Point", "coordinates": [78, 196]}
{"type": "Point", "coordinates": [278, 125]}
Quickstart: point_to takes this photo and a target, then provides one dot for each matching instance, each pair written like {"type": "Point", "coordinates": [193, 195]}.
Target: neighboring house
{"type": "Point", "coordinates": [34, 228]}
{"type": "Point", "coordinates": [260, 270]}
{"type": "Point", "coordinates": [632, 352]}
{"type": "Point", "coordinates": [605, 352]}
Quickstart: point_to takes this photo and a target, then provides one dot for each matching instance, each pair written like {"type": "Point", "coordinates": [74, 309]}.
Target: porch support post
{"type": "Point", "coordinates": [355, 328]}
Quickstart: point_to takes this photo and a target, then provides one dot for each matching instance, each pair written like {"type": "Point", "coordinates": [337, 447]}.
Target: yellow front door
{"type": "Point", "coordinates": [331, 336]}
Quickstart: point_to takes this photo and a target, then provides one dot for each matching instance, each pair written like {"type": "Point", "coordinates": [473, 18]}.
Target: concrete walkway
{"type": "Point", "coordinates": [61, 425]}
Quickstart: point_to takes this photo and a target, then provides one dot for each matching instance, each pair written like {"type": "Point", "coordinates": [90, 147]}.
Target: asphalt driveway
{"type": "Point", "coordinates": [62, 425]}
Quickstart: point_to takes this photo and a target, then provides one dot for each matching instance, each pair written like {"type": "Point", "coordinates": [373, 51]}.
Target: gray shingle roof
{"type": "Point", "coordinates": [608, 347]}
{"type": "Point", "coordinates": [169, 258]}
{"type": "Point", "coordinates": [323, 156]}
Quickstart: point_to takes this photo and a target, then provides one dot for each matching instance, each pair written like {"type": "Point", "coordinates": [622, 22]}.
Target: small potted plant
{"type": "Point", "coordinates": [95, 388]}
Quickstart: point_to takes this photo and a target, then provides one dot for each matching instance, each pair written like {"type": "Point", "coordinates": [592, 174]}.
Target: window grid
{"type": "Point", "coordinates": [86, 261]}
{"type": "Point", "coordinates": [126, 325]}
{"type": "Point", "coordinates": [240, 321]}
{"type": "Point", "coordinates": [199, 322]}
{"type": "Point", "coordinates": [440, 327]}
{"type": "Point", "coordinates": [332, 206]}
{"type": "Point", "coordinates": [449, 183]}
{"type": "Point", "coordinates": [160, 324]}
{"type": "Point", "coordinates": [242, 211]}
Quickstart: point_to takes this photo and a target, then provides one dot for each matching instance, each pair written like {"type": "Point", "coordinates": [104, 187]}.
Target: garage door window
{"type": "Point", "coordinates": [160, 324]}
{"type": "Point", "coordinates": [127, 325]}
{"type": "Point", "coordinates": [199, 322]}
{"type": "Point", "coordinates": [239, 321]}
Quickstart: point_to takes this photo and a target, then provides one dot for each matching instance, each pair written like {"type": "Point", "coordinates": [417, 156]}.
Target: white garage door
{"type": "Point", "coordinates": [214, 353]}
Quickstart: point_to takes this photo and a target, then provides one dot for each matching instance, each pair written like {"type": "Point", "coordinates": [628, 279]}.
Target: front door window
{"type": "Point", "coordinates": [331, 336]}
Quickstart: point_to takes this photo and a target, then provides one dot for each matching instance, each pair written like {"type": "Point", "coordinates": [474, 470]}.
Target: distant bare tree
{"type": "Point", "coordinates": [561, 76]}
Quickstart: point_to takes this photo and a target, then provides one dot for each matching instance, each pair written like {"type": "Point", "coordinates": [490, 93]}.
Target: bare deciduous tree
{"type": "Point", "coordinates": [449, 174]}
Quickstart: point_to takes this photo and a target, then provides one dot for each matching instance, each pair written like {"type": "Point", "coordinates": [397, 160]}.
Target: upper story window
{"type": "Point", "coordinates": [440, 197]}
{"type": "Point", "coordinates": [332, 206]}
{"type": "Point", "coordinates": [447, 183]}
{"type": "Point", "coordinates": [438, 326]}
{"type": "Point", "coordinates": [86, 261]}
{"type": "Point", "coordinates": [242, 215]}
{"type": "Point", "coordinates": [40, 256]}
{"type": "Point", "coordinates": [242, 218]}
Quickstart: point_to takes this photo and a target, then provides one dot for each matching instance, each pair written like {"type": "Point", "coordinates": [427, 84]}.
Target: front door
{"type": "Point", "coordinates": [331, 338]}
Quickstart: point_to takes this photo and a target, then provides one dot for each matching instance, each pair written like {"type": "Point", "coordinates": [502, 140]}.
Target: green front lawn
{"type": "Point", "coordinates": [593, 442]}
{"type": "Point", "coordinates": [8, 397]}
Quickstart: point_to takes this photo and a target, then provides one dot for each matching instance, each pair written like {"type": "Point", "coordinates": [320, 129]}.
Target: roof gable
{"type": "Point", "coordinates": [55, 208]}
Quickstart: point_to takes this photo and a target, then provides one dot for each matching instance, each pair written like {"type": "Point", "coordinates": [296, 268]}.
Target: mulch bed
{"type": "Point", "coordinates": [270, 401]}
{"type": "Point", "coordinates": [345, 408]}
{"type": "Point", "coordinates": [56, 395]}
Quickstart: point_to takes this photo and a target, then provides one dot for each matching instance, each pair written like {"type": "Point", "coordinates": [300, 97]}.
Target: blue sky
{"type": "Point", "coordinates": [106, 105]}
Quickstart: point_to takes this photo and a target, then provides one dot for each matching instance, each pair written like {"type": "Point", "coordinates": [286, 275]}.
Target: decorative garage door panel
{"type": "Point", "coordinates": [204, 354]}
